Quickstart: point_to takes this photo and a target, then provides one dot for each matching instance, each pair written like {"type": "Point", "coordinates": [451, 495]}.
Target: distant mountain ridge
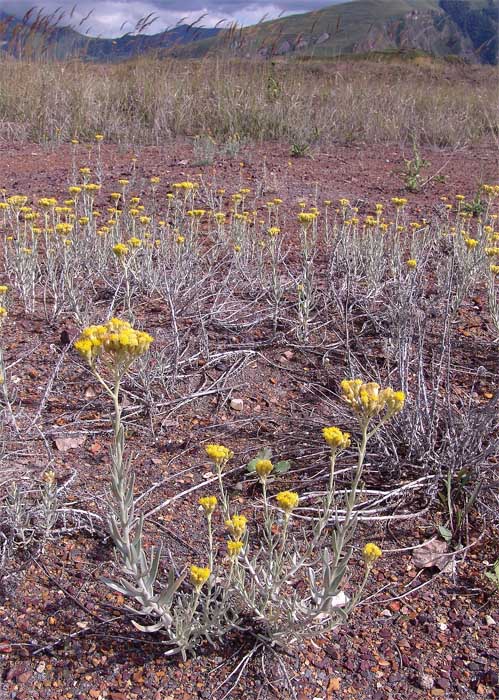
{"type": "Point", "coordinates": [465, 28]}
{"type": "Point", "coordinates": [39, 36]}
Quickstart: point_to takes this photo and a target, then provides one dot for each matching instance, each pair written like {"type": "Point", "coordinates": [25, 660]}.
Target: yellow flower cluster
{"type": "Point", "coordinates": [371, 553]}
{"type": "Point", "coordinates": [236, 526]}
{"type": "Point", "coordinates": [186, 186]}
{"type": "Point", "coordinates": [399, 201]}
{"type": "Point", "coordinates": [218, 453]}
{"type": "Point", "coordinates": [287, 500]}
{"type": "Point", "coordinates": [368, 399]}
{"type": "Point", "coordinates": [208, 504]}
{"type": "Point", "coordinates": [306, 217]}
{"type": "Point", "coordinates": [411, 264]}
{"type": "Point", "coordinates": [116, 338]}
{"type": "Point", "coordinates": [234, 548]}
{"type": "Point", "coordinates": [199, 575]}
{"type": "Point", "coordinates": [336, 438]}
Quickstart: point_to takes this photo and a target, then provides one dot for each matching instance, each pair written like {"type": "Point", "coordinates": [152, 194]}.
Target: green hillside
{"type": "Point", "coordinates": [467, 28]}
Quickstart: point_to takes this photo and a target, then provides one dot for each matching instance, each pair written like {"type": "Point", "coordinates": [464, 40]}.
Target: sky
{"type": "Point", "coordinates": [111, 18]}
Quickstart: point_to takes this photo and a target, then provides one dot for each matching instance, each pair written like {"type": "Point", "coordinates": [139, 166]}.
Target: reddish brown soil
{"type": "Point", "coordinates": [62, 634]}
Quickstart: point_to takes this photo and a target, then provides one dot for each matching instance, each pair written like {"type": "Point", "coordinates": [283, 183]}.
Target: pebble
{"type": "Point", "coordinates": [237, 404]}
{"type": "Point", "coordinates": [426, 682]}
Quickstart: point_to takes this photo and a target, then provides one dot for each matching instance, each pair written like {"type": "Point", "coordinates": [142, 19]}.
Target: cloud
{"type": "Point", "coordinates": [115, 17]}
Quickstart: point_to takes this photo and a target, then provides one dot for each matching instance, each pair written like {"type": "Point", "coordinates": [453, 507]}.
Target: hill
{"type": "Point", "coordinates": [465, 28]}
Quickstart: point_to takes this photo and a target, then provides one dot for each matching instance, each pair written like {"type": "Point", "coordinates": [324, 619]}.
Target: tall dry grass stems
{"type": "Point", "coordinates": [149, 100]}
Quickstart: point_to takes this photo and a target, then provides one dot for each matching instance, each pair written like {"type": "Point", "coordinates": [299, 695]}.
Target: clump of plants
{"type": "Point", "coordinates": [277, 578]}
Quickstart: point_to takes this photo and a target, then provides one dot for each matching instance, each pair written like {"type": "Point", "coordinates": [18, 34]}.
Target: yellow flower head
{"type": "Point", "coordinates": [236, 526]}
{"type": "Point", "coordinates": [471, 243]}
{"type": "Point", "coordinates": [263, 467]}
{"type": "Point", "coordinates": [273, 231]}
{"type": "Point", "coordinates": [186, 186]}
{"type": "Point", "coordinates": [336, 438]}
{"type": "Point", "coordinates": [399, 201]}
{"type": "Point", "coordinates": [120, 250]}
{"type": "Point", "coordinates": [47, 202]}
{"type": "Point", "coordinates": [234, 548]}
{"type": "Point", "coordinates": [116, 342]}
{"type": "Point", "coordinates": [371, 553]}
{"type": "Point", "coordinates": [208, 504]}
{"type": "Point", "coordinates": [411, 263]}
{"type": "Point", "coordinates": [3, 289]}
{"type": "Point", "coordinates": [306, 217]}
{"type": "Point", "coordinates": [135, 242]}
{"type": "Point", "coordinates": [368, 399]}
{"type": "Point", "coordinates": [199, 575]}
{"type": "Point", "coordinates": [287, 500]}
{"type": "Point", "coordinates": [99, 137]}
{"type": "Point", "coordinates": [218, 453]}
{"type": "Point", "coordinates": [17, 200]}
{"type": "Point", "coordinates": [494, 269]}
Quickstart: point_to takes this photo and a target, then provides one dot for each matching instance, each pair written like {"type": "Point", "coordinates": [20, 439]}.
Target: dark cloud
{"type": "Point", "coordinates": [114, 17]}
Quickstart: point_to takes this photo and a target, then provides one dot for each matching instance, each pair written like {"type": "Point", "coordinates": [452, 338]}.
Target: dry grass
{"type": "Point", "coordinates": [150, 100]}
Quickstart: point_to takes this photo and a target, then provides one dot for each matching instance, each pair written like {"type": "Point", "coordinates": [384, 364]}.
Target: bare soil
{"type": "Point", "coordinates": [63, 633]}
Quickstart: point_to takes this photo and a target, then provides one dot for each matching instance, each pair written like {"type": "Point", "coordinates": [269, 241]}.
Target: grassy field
{"type": "Point", "coordinates": [149, 101]}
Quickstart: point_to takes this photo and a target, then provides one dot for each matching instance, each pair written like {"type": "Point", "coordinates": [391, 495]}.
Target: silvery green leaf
{"type": "Point", "coordinates": [153, 567]}
{"type": "Point", "coordinates": [148, 628]}
{"type": "Point", "coordinates": [283, 466]}
{"type": "Point", "coordinates": [445, 533]}
{"type": "Point", "coordinates": [123, 587]}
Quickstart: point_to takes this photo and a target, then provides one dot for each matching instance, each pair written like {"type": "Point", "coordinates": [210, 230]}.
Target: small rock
{"type": "Point", "coordinates": [426, 682]}
{"type": "Point", "coordinates": [236, 404]}
{"type": "Point", "coordinates": [386, 613]}
{"type": "Point", "coordinates": [443, 683]}
{"type": "Point", "coordinates": [288, 355]}
{"type": "Point", "coordinates": [489, 620]}
{"type": "Point", "coordinates": [437, 692]}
